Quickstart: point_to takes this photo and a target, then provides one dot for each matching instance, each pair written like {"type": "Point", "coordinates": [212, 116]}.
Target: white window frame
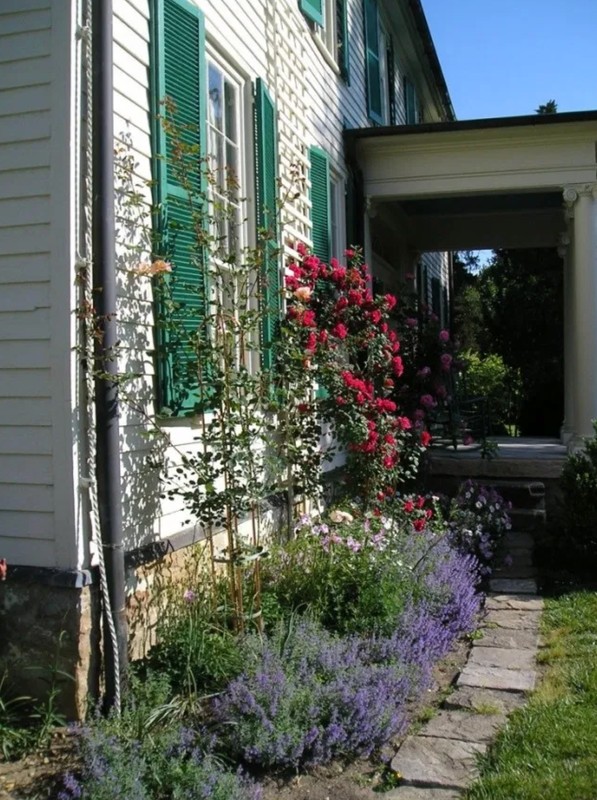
{"type": "Point", "coordinates": [326, 35]}
{"type": "Point", "coordinates": [384, 72]}
{"type": "Point", "coordinates": [243, 239]}
{"type": "Point", "coordinates": [337, 192]}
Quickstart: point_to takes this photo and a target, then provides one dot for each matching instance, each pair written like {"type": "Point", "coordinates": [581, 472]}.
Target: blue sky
{"type": "Point", "coordinates": [506, 57]}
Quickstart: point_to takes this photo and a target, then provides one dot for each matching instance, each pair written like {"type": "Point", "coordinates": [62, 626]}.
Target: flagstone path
{"type": "Point", "coordinates": [440, 761]}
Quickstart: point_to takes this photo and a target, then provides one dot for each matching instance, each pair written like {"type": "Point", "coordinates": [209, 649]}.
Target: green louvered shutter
{"type": "Point", "coordinates": [266, 196]}
{"type": "Point", "coordinates": [372, 62]}
{"type": "Point", "coordinates": [178, 73]}
{"type": "Point", "coordinates": [320, 203]}
{"type": "Point", "coordinates": [342, 38]}
{"type": "Point", "coordinates": [410, 102]}
{"type": "Point", "coordinates": [313, 9]}
{"type": "Point", "coordinates": [391, 81]}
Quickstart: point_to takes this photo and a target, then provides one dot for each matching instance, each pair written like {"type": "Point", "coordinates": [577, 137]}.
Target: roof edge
{"type": "Point", "coordinates": [473, 124]}
{"type": "Point", "coordinates": [422, 26]}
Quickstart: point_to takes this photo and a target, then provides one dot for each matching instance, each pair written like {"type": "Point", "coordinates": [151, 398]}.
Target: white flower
{"type": "Point", "coordinates": [303, 293]}
{"type": "Point", "coordinates": [341, 516]}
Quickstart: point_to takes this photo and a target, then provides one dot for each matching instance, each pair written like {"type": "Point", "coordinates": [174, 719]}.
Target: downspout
{"type": "Point", "coordinates": [106, 388]}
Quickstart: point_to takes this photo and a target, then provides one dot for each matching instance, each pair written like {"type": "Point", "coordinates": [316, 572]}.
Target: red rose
{"type": "Point", "coordinates": [419, 524]}
{"type": "Point", "coordinates": [308, 319]}
{"type": "Point", "coordinates": [340, 331]}
{"type": "Point", "coordinates": [397, 366]}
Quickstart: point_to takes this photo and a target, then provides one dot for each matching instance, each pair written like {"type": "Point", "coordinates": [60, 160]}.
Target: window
{"type": "Point", "coordinates": [411, 109]}
{"type": "Point", "coordinates": [379, 67]}
{"type": "Point", "coordinates": [224, 114]}
{"type": "Point", "coordinates": [206, 108]}
{"type": "Point", "coordinates": [330, 21]}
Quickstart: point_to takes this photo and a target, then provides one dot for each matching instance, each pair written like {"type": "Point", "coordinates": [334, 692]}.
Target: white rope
{"type": "Point", "coordinates": [84, 265]}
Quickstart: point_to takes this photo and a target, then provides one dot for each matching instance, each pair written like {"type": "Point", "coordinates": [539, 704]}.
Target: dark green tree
{"type": "Point", "coordinates": [521, 294]}
{"type": "Point", "coordinates": [551, 107]}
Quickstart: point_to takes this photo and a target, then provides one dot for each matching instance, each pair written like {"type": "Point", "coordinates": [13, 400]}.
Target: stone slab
{"type": "Point", "coordinates": [466, 726]}
{"type": "Point", "coordinates": [434, 762]}
{"type": "Point", "coordinates": [513, 602]}
{"type": "Point", "coordinates": [484, 701]}
{"type": "Point", "coordinates": [507, 657]}
{"type": "Point", "coordinates": [514, 540]}
{"type": "Point", "coordinates": [520, 557]}
{"type": "Point", "coordinates": [420, 793]}
{"type": "Point", "coordinates": [515, 572]}
{"type": "Point", "coordinates": [513, 585]}
{"type": "Point", "coordinates": [510, 680]}
{"type": "Point", "coordinates": [508, 637]}
{"type": "Point", "coordinates": [515, 620]}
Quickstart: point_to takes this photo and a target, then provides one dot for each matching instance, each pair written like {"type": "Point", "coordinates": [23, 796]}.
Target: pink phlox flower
{"type": "Point", "coordinates": [427, 401]}
{"type": "Point", "coordinates": [353, 544]}
{"type": "Point", "coordinates": [446, 361]}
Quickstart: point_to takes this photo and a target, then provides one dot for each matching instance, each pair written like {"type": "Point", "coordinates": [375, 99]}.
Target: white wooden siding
{"type": "Point", "coordinates": [36, 436]}
{"type": "Point", "coordinates": [272, 40]}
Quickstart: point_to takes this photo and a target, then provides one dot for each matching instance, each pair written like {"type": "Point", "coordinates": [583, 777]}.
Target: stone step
{"type": "Point", "coordinates": [509, 680]}
{"type": "Point", "coordinates": [512, 619]}
{"type": "Point", "coordinates": [484, 701]}
{"type": "Point", "coordinates": [522, 494]}
{"type": "Point", "coordinates": [517, 540]}
{"type": "Point", "coordinates": [513, 585]}
{"type": "Point", "coordinates": [429, 761]}
{"type": "Point", "coordinates": [466, 726]}
{"type": "Point", "coordinates": [513, 602]}
{"type": "Point", "coordinates": [421, 793]}
{"type": "Point", "coordinates": [528, 519]}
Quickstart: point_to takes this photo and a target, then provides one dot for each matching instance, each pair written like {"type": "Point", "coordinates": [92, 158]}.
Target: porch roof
{"type": "Point", "coordinates": [476, 184]}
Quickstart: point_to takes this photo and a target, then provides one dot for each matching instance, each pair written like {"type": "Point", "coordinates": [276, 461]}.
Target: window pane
{"type": "Point", "coordinates": [230, 108]}
{"type": "Point", "coordinates": [215, 96]}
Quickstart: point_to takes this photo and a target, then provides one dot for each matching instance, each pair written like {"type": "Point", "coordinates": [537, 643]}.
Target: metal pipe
{"type": "Point", "coordinates": [104, 282]}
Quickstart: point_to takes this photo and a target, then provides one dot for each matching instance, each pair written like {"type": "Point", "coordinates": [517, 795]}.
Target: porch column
{"type": "Point", "coordinates": [566, 254]}
{"type": "Point", "coordinates": [370, 212]}
{"type": "Point", "coordinates": [582, 199]}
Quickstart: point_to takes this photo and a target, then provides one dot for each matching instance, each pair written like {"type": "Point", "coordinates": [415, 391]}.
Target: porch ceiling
{"type": "Point", "coordinates": [478, 183]}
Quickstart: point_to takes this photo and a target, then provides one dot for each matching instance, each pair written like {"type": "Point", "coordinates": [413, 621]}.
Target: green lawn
{"type": "Point", "coordinates": [548, 751]}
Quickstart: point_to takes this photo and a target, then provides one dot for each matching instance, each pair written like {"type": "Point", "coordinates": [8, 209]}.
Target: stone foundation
{"type": "Point", "coordinates": [47, 633]}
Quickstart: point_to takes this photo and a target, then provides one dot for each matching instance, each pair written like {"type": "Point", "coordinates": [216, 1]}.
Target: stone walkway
{"type": "Point", "coordinates": [440, 761]}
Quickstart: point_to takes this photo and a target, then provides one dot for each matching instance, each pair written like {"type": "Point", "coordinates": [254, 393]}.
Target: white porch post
{"type": "Point", "coordinates": [582, 199]}
{"type": "Point", "coordinates": [566, 254]}
{"type": "Point", "coordinates": [370, 212]}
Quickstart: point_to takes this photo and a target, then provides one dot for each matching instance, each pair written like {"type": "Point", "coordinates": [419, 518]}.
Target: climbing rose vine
{"type": "Point", "coordinates": [350, 343]}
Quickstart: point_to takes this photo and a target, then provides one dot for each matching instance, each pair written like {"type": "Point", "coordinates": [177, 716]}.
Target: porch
{"type": "Point", "coordinates": [507, 183]}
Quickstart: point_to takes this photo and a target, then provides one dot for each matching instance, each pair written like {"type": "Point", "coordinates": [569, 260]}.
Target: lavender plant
{"type": "Point", "coordinates": [308, 695]}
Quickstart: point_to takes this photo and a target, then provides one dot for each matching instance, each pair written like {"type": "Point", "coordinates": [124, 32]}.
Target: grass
{"type": "Point", "coordinates": [548, 751]}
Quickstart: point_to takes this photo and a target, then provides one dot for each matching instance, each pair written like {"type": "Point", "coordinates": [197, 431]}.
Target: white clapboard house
{"type": "Point", "coordinates": [269, 85]}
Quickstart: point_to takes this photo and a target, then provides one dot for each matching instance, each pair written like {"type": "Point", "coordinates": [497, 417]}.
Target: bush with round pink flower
{"type": "Point", "coordinates": [356, 357]}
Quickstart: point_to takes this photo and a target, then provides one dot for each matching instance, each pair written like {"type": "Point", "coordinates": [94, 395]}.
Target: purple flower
{"type": "Point", "coordinates": [189, 596]}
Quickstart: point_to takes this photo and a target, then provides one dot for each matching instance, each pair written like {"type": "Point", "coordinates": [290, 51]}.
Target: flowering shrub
{"type": "Point", "coordinates": [478, 520]}
{"type": "Point", "coordinates": [347, 339]}
{"type": "Point", "coordinates": [308, 695]}
{"type": "Point", "coordinates": [135, 758]}
{"type": "Point", "coordinates": [352, 574]}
